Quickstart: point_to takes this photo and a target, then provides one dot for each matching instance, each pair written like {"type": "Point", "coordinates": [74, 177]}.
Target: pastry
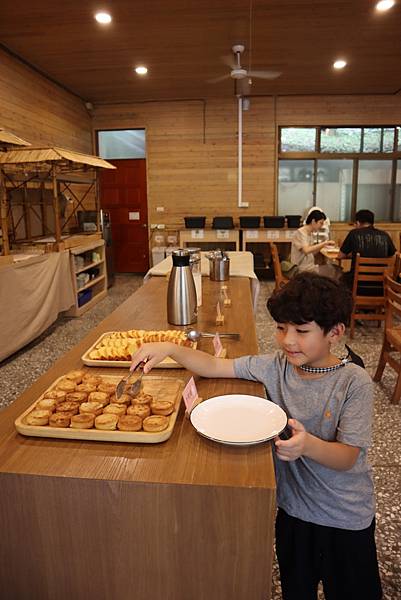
{"type": "Point", "coordinates": [75, 376]}
{"type": "Point", "coordinates": [123, 399]}
{"type": "Point", "coordinates": [65, 385]}
{"type": "Point", "coordinates": [59, 420]}
{"type": "Point", "coordinates": [109, 388]}
{"type": "Point", "coordinates": [82, 421]}
{"type": "Point", "coordinates": [86, 387]}
{"type": "Point", "coordinates": [46, 404]}
{"type": "Point", "coordinates": [92, 379]}
{"type": "Point", "coordinates": [38, 417]}
{"type": "Point", "coordinates": [140, 410]}
{"type": "Point", "coordinates": [114, 409]}
{"type": "Point", "coordinates": [106, 421]}
{"type": "Point", "coordinates": [95, 408]}
{"type": "Point", "coordinates": [101, 397]}
{"type": "Point", "coordinates": [142, 399]}
{"type": "Point", "coordinates": [129, 423]}
{"type": "Point", "coordinates": [57, 395]}
{"type": "Point", "coordinates": [155, 423]}
{"type": "Point", "coordinates": [162, 407]}
{"type": "Point", "coordinates": [68, 407]}
{"type": "Point", "coordinates": [77, 397]}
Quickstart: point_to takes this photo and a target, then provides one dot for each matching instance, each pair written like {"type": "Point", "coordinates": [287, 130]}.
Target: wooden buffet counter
{"type": "Point", "coordinates": [187, 519]}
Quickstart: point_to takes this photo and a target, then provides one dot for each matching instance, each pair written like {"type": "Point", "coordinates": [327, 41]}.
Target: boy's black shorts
{"type": "Point", "coordinates": [344, 560]}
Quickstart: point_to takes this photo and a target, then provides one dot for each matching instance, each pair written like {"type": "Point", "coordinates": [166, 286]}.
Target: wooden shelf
{"type": "Point", "coordinates": [100, 281]}
{"type": "Point", "coordinates": [91, 283]}
{"type": "Point", "coordinates": [94, 264]}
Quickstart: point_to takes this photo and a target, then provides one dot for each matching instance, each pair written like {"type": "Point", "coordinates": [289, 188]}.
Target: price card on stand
{"type": "Point", "coordinates": [190, 394]}
{"type": "Point", "coordinates": [197, 234]}
{"type": "Point", "coordinates": [218, 347]}
{"type": "Point", "coordinates": [252, 234]}
{"type": "Point", "coordinates": [222, 234]}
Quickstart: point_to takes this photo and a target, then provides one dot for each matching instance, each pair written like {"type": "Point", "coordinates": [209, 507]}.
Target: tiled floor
{"type": "Point", "coordinates": [385, 455]}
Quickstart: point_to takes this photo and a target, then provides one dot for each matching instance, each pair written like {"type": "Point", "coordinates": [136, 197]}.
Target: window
{"type": "Point", "coordinates": [295, 189]}
{"type": "Point", "coordinates": [340, 139]}
{"type": "Point", "coordinates": [298, 139]}
{"type": "Point", "coordinates": [123, 143]}
{"type": "Point", "coordinates": [374, 188]}
{"type": "Point", "coordinates": [334, 188]}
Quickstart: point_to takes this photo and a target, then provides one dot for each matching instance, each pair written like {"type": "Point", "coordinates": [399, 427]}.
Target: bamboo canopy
{"type": "Point", "coordinates": [9, 139]}
{"type": "Point", "coordinates": [54, 156]}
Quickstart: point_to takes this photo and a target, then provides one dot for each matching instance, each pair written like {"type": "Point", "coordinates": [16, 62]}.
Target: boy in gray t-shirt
{"type": "Point", "coordinates": [325, 522]}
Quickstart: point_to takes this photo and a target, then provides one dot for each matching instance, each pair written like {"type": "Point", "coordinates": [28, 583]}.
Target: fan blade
{"type": "Point", "coordinates": [264, 74]}
{"type": "Point", "coordinates": [229, 61]}
{"type": "Point", "coordinates": [217, 79]}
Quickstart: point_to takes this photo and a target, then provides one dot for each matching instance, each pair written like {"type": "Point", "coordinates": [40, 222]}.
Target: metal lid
{"type": "Point", "coordinates": [180, 258]}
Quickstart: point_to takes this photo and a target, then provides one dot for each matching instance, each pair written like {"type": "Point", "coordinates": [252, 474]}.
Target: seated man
{"type": "Point", "coordinates": [367, 240]}
{"type": "Point", "coordinates": [303, 248]}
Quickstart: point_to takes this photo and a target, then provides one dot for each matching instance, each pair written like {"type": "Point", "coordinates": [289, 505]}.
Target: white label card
{"type": "Point", "coordinates": [197, 234]}
{"type": "Point", "coordinates": [289, 234]}
{"type": "Point", "coordinates": [272, 235]}
{"type": "Point", "coordinates": [252, 234]}
{"type": "Point", "coordinates": [190, 394]}
{"type": "Point", "coordinates": [222, 234]}
{"type": "Point", "coordinates": [134, 216]}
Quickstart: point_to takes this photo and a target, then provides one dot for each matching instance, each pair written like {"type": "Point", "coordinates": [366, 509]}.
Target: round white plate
{"type": "Point", "coordinates": [238, 419]}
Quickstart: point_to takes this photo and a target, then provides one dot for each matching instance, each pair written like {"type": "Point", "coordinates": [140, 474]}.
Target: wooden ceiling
{"type": "Point", "coordinates": [182, 43]}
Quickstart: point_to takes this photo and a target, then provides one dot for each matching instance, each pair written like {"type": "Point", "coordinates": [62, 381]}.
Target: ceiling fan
{"type": "Point", "coordinates": [243, 77]}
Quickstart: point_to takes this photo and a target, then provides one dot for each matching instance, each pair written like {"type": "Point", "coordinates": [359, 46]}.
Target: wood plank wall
{"type": "Point", "coordinates": [39, 111]}
{"type": "Point", "coordinates": [190, 175]}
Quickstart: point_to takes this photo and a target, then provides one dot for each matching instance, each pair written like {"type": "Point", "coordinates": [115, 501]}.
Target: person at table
{"type": "Point", "coordinates": [325, 522]}
{"type": "Point", "coordinates": [366, 240]}
{"type": "Point", "coordinates": [303, 248]}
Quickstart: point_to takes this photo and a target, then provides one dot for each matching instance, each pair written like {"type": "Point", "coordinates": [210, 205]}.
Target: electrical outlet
{"type": "Point", "coordinates": [159, 208]}
{"type": "Point", "coordinates": [244, 205]}
{"type": "Point", "coordinates": [153, 225]}
{"type": "Point", "coordinates": [161, 226]}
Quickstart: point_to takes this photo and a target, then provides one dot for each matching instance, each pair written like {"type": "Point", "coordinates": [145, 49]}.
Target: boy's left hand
{"type": "Point", "coordinates": [294, 447]}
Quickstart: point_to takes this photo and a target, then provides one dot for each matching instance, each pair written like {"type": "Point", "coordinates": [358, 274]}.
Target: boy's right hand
{"type": "Point", "coordinates": [151, 354]}
{"type": "Point", "coordinates": [329, 243]}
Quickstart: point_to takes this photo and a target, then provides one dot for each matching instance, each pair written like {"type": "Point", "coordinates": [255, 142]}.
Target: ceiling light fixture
{"type": "Point", "coordinates": [384, 5]}
{"type": "Point", "coordinates": [103, 17]}
{"type": "Point", "coordinates": [339, 64]}
{"type": "Point", "coordinates": [141, 70]}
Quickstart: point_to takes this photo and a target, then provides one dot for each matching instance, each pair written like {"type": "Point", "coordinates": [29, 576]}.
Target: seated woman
{"type": "Point", "coordinates": [303, 250]}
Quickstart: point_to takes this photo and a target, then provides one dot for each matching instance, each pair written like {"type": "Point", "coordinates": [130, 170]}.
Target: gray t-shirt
{"type": "Point", "coordinates": [336, 407]}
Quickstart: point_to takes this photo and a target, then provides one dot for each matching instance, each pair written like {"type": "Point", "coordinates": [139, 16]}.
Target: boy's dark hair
{"type": "Point", "coordinates": [365, 216]}
{"type": "Point", "coordinates": [315, 214]}
{"type": "Point", "coordinates": [310, 297]}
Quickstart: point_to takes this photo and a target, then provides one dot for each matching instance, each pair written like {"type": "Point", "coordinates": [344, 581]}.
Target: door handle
{"type": "Point", "coordinates": [144, 225]}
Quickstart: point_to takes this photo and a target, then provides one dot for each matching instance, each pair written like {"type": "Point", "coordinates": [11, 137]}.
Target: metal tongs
{"type": "Point", "coordinates": [124, 382]}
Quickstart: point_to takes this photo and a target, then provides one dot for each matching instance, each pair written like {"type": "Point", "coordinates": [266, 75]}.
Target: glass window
{"type": "Point", "coordinates": [295, 188]}
{"type": "Point", "coordinates": [374, 188]}
{"type": "Point", "coordinates": [334, 188]}
{"type": "Point", "coordinates": [388, 139]}
{"type": "Point", "coordinates": [397, 196]}
{"type": "Point", "coordinates": [340, 139]}
{"type": "Point", "coordinates": [372, 138]}
{"type": "Point", "coordinates": [298, 139]}
{"type": "Point", "coordinates": [123, 143]}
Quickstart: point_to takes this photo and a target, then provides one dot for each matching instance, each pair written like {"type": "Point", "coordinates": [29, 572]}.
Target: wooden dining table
{"type": "Point", "coordinates": [187, 519]}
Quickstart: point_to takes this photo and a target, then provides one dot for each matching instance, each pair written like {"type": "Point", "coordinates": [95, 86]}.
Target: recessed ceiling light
{"type": "Point", "coordinates": [385, 5]}
{"type": "Point", "coordinates": [340, 64]}
{"type": "Point", "coordinates": [141, 70]}
{"type": "Point", "coordinates": [103, 17]}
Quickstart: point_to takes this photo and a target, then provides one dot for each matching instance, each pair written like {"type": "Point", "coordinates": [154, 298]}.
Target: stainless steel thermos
{"type": "Point", "coordinates": [181, 292]}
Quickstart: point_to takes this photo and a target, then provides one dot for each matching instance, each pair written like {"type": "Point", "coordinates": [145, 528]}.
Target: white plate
{"type": "Point", "coordinates": [238, 419]}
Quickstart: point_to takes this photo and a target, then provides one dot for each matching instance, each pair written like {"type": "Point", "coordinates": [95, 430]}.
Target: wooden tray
{"type": "Point", "coordinates": [160, 387]}
{"type": "Point", "coordinates": [167, 363]}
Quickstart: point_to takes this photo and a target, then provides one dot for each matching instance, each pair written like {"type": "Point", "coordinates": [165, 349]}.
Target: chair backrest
{"type": "Point", "coordinates": [397, 266]}
{"type": "Point", "coordinates": [278, 274]}
{"type": "Point", "coordinates": [393, 299]}
{"type": "Point", "coordinates": [369, 275]}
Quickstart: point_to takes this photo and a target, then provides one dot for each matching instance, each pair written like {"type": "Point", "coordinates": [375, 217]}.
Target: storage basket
{"type": "Point", "coordinates": [223, 223]}
{"type": "Point", "coordinates": [249, 222]}
{"type": "Point", "coordinates": [273, 222]}
{"type": "Point", "coordinates": [84, 297]}
{"type": "Point", "coordinates": [195, 222]}
{"type": "Point", "coordinates": [293, 221]}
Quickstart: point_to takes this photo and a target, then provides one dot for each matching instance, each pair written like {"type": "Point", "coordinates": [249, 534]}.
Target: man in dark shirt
{"type": "Point", "coordinates": [367, 240]}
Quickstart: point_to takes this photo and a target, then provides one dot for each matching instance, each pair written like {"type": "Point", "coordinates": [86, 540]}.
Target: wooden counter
{"type": "Point", "coordinates": [188, 519]}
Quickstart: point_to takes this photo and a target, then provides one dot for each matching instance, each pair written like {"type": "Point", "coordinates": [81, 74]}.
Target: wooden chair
{"type": "Point", "coordinates": [392, 335]}
{"type": "Point", "coordinates": [397, 267]}
{"type": "Point", "coordinates": [368, 289]}
{"type": "Point", "coordinates": [278, 274]}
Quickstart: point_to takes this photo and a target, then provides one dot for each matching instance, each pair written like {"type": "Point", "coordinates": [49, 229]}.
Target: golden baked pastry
{"type": "Point", "coordinates": [38, 417]}
{"type": "Point", "coordinates": [69, 407]}
{"type": "Point", "coordinates": [109, 388]}
{"type": "Point", "coordinates": [77, 397]}
{"type": "Point", "coordinates": [59, 420]}
{"type": "Point", "coordinates": [115, 409]}
{"type": "Point", "coordinates": [75, 376]}
{"type": "Point", "coordinates": [162, 407]}
{"type": "Point", "coordinates": [140, 410]}
{"type": "Point", "coordinates": [101, 397]}
{"type": "Point", "coordinates": [106, 421]}
{"type": "Point", "coordinates": [86, 387]}
{"type": "Point", "coordinates": [57, 395]}
{"type": "Point", "coordinates": [82, 421]}
{"type": "Point", "coordinates": [155, 423]}
{"type": "Point", "coordinates": [95, 408]}
{"type": "Point", "coordinates": [129, 423]}
{"type": "Point", "coordinates": [142, 399]}
{"type": "Point", "coordinates": [123, 399]}
{"type": "Point", "coordinates": [46, 404]}
{"type": "Point", "coordinates": [92, 379]}
{"type": "Point", "coordinates": [66, 385]}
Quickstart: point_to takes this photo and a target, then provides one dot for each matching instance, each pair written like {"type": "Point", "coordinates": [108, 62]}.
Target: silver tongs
{"type": "Point", "coordinates": [124, 382]}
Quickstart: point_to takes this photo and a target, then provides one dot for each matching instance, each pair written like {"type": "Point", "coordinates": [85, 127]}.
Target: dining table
{"type": "Point", "coordinates": [186, 519]}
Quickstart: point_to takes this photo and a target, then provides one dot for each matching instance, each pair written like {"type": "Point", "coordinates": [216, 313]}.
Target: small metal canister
{"type": "Point", "coordinates": [219, 266]}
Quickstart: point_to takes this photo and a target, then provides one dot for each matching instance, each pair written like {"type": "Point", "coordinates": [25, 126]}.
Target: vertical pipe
{"type": "Point", "coordinates": [240, 151]}
{"type": "Point", "coordinates": [4, 215]}
{"type": "Point", "coordinates": [56, 209]}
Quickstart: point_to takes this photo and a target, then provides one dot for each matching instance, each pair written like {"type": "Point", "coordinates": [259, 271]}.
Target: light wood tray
{"type": "Point", "coordinates": [167, 363]}
{"type": "Point", "coordinates": [165, 388]}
